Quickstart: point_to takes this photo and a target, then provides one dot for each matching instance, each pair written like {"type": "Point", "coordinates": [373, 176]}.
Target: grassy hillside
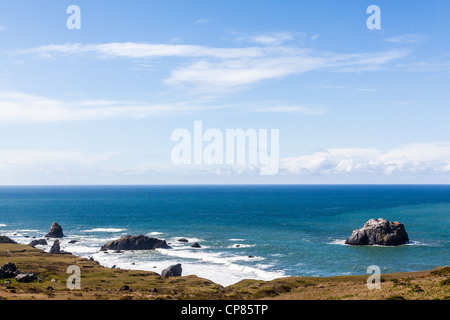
{"type": "Point", "coordinates": [101, 283]}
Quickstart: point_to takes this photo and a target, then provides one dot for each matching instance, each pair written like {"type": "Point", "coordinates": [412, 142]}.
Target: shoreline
{"type": "Point", "coordinates": [103, 283]}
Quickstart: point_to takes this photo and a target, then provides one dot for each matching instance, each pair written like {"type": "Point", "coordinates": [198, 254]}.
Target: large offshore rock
{"type": "Point", "coordinates": [379, 232]}
{"type": "Point", "coordinates": [55, 231]}
{"type": "Point", "coordinates": [139, 242]}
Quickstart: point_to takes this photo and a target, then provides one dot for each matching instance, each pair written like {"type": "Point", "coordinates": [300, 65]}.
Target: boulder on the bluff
{"type": "Point", "coordinates": [8, 270]}
{"type": "Point", "coordinates": [26, 277]}
{"type": "Point", "coordinates": [55, 247]}
{"type": "Point", "coordinates": [379, 232]}
{"type": "Point", "coordinates": [5, 240]}
{"type": "Point", "coordinates": [139, 242]}
{"type": "Point", "coordinates": [40, 242]}
{"type": "Point", "coordinates": [55, 231]}
{"type": "Point", "coordinates": [172, 271]}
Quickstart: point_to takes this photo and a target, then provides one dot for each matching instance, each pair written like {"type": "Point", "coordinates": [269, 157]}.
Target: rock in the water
{"type": "Point", "coordinates": [41, 242]}
{"type": "Point", "coordinates": [172, 271]}
{"type": "Point", "coordinates": [379, 232]}
{"type": "Point", "coordinates": [26, 277]}
{"type": "Point", "coordinates": [8, 270]}
{"type": "Point", "coordinates": [139, 242]}
{"type": "Point", "coordinates": [196, 245]}
{"type": "Point", "coordinates": [55, 247]}
{"type": "Point", "coordinates": [55, 231]}
{"type": "Point", "coordinates": [5, 240]}
{"type": "Point", "coordinates": [183, 240]}
{"type": "Point", "coordinates": [74, 241]}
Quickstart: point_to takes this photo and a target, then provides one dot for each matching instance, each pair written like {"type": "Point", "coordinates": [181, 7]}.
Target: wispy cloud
{"type": "Point", "coordinates": [408, 39]}
{"type": "Point", "coordinates": [274, 38]}
{"type": "Point", "coordinates": [22, 159]}
{"type": "Point", "coordinates": [201, 21]}
{"type": "Point", "coordinates": [237, 73]}
{"type": "Point", "coordinates": [210, 69]}
{"type": "Point", "coordinates": [303, 109]}
{"type": "Point", "coordinates": [22, 166]}
{"type": "Point", "coordinates": [268, 38]}
{"type": "Point", "coordinates": [425, 66]}
{"type": "Point", "coordinates": [20, 107]}
{"type": "Point", "coordinates": [133, 50]}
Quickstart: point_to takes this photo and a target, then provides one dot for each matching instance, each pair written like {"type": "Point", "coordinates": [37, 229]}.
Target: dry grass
{"type": "Point", "coordinates": [101, 283]}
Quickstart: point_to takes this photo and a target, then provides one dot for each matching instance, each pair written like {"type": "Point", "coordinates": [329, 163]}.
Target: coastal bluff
{"type": "Point", "coordinates": [379, 232]}
{"type": "Point", "coordinates": [102, 283]}
{"type": "Point", "coordinates": [139, 242]}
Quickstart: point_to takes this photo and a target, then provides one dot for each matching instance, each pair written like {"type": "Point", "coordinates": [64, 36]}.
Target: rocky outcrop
{"type": "Point", "coordinates": [379, 232]}
{"type": "Point", "coordinates": [55, 247]}
{"type": "Point", "coordinates": [6, 240]}
{"type": "Point", "coordinates": [196, 245]}
{"type": "Point", "coordinates": [40, 242]}
{"type": "Point", "coordinates": [8, 270]}
{"type": "Point", "coordinates": [172, 271]}
{"type": "Point", "coordinates": [55, 231]}
{"type": "Point", "coordinates": [26, 277]}
{"type": "Point", "coordinates": [139, 242]}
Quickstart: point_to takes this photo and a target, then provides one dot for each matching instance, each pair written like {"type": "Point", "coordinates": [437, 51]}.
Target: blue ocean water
{"type": "Point", "coordinates": [258, 232]}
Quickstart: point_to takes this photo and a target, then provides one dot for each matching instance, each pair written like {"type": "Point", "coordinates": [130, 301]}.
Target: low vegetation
{"type": "Point", "coordinates": [101, 283]}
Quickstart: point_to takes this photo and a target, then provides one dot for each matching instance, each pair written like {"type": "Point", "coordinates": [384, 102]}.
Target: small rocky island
{"type": "Point", "coordinates": [139, 242]}
{"type": "Point", "coordinates": [55, 231]}
{"type": "Point", "coordinates": [379, 232]}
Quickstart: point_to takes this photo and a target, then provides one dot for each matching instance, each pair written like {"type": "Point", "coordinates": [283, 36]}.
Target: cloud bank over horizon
{"type": "Point", "coordinates": [98, 105]}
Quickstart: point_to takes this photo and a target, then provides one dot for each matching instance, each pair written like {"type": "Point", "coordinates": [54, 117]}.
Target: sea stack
{"type": "Point", "coordinates": [55, 231]}
{"type": "Point", "coordinates": [55, 247]}
{"type": "Point", "coordinates": [379, 232]}
{"type": "Point", "coordinates": [139, 242]}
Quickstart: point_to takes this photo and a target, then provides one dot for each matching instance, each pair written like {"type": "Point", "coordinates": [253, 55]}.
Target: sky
{"type": "Point", "coordinates": [99, 104]}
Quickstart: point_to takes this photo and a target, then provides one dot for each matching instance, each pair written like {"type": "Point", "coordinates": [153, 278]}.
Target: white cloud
{"type": "Point", "coordinates": [43, 167]}
{"type": "Point", "coordinates": [221, 69]}
{"type": "Point", "coordinates": [426, 158]}
{"type": "Point", "coordinates": [135, 50]}
{"type": "Point", "coordinates": [271, 39]}
{"type": "Point", "coordinates": [408, 39]}
{"type": "Point", "coordinates": [216, 76]}
{"type": "Point", "coordinates": [21, 107]}
{"type": "Point", "coordinates": [304, 109]}
{"type": "Point", "coordinates": [234, 73]}
{"type": "Point", "coordinates": [416, 162]}
{"type": "Point", "coordinates": [425, 66]}
{"type": "Point", "coordinates": [22, 159]}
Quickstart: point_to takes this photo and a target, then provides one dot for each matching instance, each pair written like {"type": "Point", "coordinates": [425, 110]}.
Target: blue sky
{"type": "Point", "coordinates": [98, 105]}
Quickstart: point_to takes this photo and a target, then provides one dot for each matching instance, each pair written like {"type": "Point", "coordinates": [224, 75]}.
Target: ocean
{"type": "Point", "coordinates": [245, 232]}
